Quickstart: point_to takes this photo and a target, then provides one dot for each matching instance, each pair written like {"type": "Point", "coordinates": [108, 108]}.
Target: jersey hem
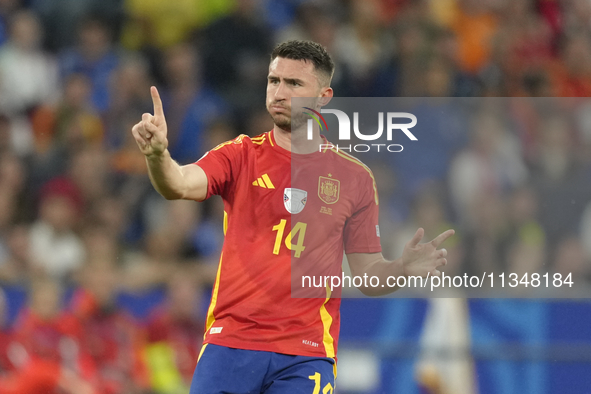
{"type": "Point", "coordinates": [262, 348]}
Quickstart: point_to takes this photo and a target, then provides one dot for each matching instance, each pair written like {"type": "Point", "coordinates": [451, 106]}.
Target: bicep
{"type": "Point", "coordinates": [195, 182]}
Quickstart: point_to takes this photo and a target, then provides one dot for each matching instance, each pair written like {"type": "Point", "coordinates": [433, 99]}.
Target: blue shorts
{"type": "Point", "coordinates": [226, 370]}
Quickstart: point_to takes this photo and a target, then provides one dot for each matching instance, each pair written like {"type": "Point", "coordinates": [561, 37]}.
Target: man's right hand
{"type": "Point", "coordinates": [170, 179]}
{"type": "Point", "coordinates": [150, 133]}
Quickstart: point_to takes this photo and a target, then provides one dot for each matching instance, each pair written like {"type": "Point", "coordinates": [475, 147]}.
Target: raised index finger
{"type": "Point", "coordinates": [417, 237]}
{"type": "Point", "coordinates": [442, 237]}
{"type": "Point", "coordinates": [158, 111]}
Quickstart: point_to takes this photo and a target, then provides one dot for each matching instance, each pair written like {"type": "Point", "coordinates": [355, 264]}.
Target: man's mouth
{"type": "Point", "coordinates": [276, 107]}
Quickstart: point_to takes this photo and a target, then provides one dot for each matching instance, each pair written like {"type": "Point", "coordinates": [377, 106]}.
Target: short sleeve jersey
{"type": "Point", "coordinates": [286, 215]}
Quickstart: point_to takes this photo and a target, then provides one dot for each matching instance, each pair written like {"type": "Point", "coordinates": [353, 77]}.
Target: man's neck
{"type": "Point", "coordinates": [297, 142]}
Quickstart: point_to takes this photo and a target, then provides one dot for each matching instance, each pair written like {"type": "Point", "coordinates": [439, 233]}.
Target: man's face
{"type": "Point", "coordinates": [291, 78]}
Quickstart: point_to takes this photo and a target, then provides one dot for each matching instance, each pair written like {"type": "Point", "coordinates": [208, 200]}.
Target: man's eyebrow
{"type": "Point", "coordinates": [294, 80]}
{"type": "Point", "coordinates": [288, 80]}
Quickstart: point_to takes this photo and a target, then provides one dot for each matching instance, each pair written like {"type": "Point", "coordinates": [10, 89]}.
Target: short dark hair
{"type": "Point", "coordinates": [308, 51]}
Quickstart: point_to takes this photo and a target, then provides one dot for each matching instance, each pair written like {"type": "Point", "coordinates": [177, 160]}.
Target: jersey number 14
{"type": "Point", "coordinates": [298, 232]}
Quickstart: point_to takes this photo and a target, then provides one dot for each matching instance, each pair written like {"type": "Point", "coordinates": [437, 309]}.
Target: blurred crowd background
{"type": "Point", "coordinates": [105, 284]}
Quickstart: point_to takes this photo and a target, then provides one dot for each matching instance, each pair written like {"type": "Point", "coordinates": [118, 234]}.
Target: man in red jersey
{"type": "Point", "coordinates": [41, 354]}
{"type": "Point", "coordinates": [260, 339]}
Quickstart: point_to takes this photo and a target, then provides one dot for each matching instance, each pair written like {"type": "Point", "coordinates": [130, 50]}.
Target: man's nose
{"type": "Point", "coordinates": [280, 92]}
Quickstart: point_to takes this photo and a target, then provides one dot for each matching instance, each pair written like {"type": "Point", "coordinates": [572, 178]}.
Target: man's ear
{"type": "Point", "coordinates": [327, 94]}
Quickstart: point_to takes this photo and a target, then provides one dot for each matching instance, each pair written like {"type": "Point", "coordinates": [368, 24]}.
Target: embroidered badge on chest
{"type": "Point", "coordinates": [329, 189]}
{"type": "Point", "coordinates": [294, 199]}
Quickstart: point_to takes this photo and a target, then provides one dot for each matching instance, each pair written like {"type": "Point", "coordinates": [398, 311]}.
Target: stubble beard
{"type": "Point", "coordinates": [288, 123]}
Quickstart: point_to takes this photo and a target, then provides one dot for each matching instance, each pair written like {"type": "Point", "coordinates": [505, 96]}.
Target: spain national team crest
{"type": "Point", "coordinates": [294, 199]}
{"type": "Point", "coordinates": [328, 189]}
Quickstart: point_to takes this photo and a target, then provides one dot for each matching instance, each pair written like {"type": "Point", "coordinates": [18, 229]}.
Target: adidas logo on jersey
{"type": "Point", "coordinates": [264, 181]}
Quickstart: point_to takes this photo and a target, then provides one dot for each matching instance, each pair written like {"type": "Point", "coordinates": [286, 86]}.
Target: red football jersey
{"type": "Point", "coordinates": [284, 209]}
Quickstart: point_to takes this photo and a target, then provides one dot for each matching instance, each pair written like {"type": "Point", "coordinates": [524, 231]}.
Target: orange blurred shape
{"type": "Point", "coordinates": [43, 122]}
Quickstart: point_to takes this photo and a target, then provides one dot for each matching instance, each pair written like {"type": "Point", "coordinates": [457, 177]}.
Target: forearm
{"type": "Point", "coordinates": [382, 269]}
{"type": "Point", "coordinates": [374, 265]}
{"type": "Point", "coordinates": [166, 176]}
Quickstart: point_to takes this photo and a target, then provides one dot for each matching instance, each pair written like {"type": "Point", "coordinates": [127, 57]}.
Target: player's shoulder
{"type": "Point", "coordinates": [358, 172]}
{"type": "Point", "coordinates": [261, 139]}
{"type": "Point", "coordinates": [235, 141]}
{"type": "Point", "coordinates": [245, 141]}
{"type": "Point", "coordinates": [348, 161]}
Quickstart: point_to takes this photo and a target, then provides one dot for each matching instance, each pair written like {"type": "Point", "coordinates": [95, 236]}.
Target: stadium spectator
{"type": "Point", "coordinates": [28, 76]}
{"type": "Point", "coordinates": [44, 329]}
{"type": "Point", "coordinates": [94, 56]}
{"type": "Point", "coordinates": [571, 19]}
{"type": "Point", "coordinates": [13, 181]}
{"type": "Point", "coordinates": [571, 261]}
{"type": "Point", "coordinates": [62, 130]}
{"type": "Point", "coordinates": [485, 241]}
{"type": "Point", "coordinates": [490, 165]}
{"type": "Point", "coordinates": [111, 213]}
{"type": "Point", "coordinates": [110, 336]}
{"type": "Point", "coordinates": [358, 46]}
{"type": "Point", "coordinates": [172, 346]}
{"type": "Point", "coordinates": [521, 54]}
{"type": "Point", "coordinates": [400, 73]}
{"type": "Point", "coordinates": [77, 122]}
{"type": "Point", "coordinates": [129, 81]}
{"type": "Point", "coordinates": [448, 131]}
{"type": "Point", "coordinates": [6, 336]}
{"type": "Point", "coordinates": [235, 55]}
{"type": "Point", "coordinates": [17, 265]}
{"type": "Point", "coordinates": [7, 8]}
{"type": "Point", "coordinates": [61, 18]}
{"type": "Point", "coordinates": [585, 231]}
{"type": "Point", "coordinates": [319, 22]}
{"type": "Point", "coordinates": [169, 244]}
{"type": "Point", "coordinates": [50, 358]}
{"type": "Point", "coordinates": [101, 244]}
{"type": "Point", "coordinates": [525, 251]}
{"type": "Point", "coordinates": [56, 249]}
{"type": "Point", "coordinates": [559, 180]}
{"type": "Point", "coordinates": [5, 134]}
{"type": "Point", "coordinates": [571, 74]}
{"type": "Point", "coordinates": [192, 103]}
{"type": "Point", "coordinates": [12, 208]}
{"type": "Point", "coordinates": [475, 25]}
{"type": "Point", "coordinates": [313, 21]}
{"type": "Point", "coordinates": [89, 171]}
